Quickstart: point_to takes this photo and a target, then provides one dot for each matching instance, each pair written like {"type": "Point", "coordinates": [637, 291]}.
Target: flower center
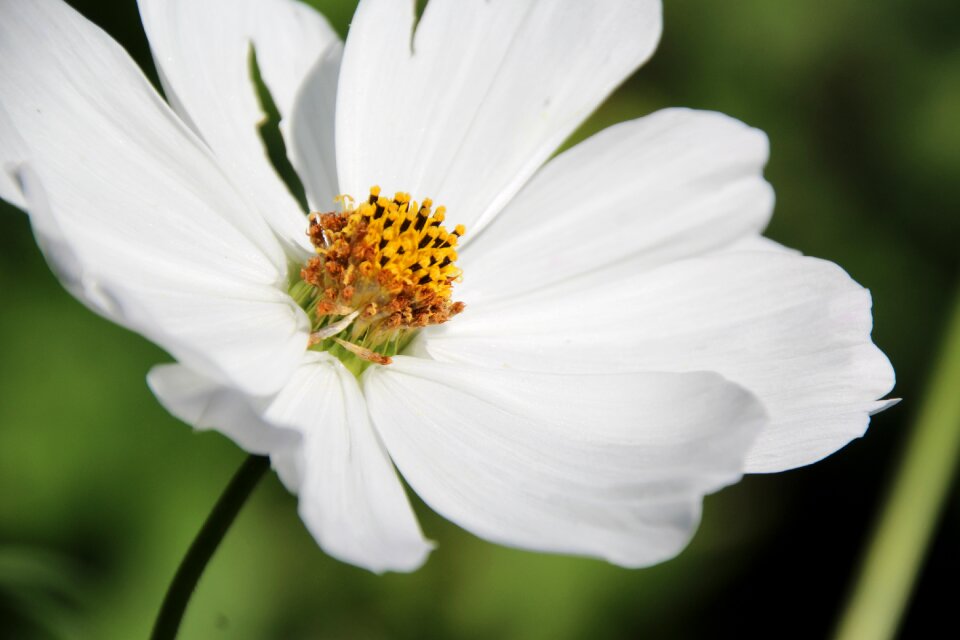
{"type": "Point", "coordinates": [383, 269]}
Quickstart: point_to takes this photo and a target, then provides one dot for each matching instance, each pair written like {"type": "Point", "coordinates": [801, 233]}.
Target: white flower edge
{"type": "Point", "coordinates": [793, 330]}
{"type": "Point", "coordinates": [350, 497]}
{"type": "Point", "coordinates": [613, 466]}
{"type": "Point", "coordinates": [206, 77]}
{"type": "Point", "coordinates": [494, 89]}
{"type": "Point", "coordinates": [156, 236]}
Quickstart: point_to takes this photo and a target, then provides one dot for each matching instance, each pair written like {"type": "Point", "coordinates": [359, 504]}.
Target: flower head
{"type": "Point", "coordinates": [383, 270]}
{"type": "Point", "coordinates": [612, 340]}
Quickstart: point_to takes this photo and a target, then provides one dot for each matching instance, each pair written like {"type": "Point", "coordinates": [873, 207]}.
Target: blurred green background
{"type": "Point", "coordinates": [101, 491]}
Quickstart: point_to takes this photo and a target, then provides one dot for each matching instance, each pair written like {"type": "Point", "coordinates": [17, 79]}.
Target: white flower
{"type": "Point", "coordinates": [630, 343]}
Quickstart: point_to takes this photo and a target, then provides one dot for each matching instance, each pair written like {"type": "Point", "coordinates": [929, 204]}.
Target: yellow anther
{"type": "Point", "coordinates": [392, 259]}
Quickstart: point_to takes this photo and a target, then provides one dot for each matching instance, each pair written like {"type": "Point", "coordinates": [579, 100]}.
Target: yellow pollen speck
{"type": "Point", "coordinates": [391, 261]}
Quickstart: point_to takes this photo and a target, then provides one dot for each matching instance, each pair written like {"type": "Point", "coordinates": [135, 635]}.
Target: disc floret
{"type": "Point", "coordinates": [383, 270]}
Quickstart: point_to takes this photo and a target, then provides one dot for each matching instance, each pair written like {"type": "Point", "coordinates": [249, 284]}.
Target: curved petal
{"type": "Point", "coordinates": [205, 404]}
{"type": "Point", "coordinates": [468, 107]}
{"type": "Point", "coordinates": [14, 151]}
{"type": "Point", "coordinates": [793, 330]}
{"type": "Point", "coordinates": [350, 497]}
{"type": "Point", "coordinates": [202, 50]}
{"type": "Point", "coordinates": [760, 243]}
{"type": "Point", "coordinates": [606, 466]}
{"type": "Point", "coordinates": [311, 131]}
{"type": "Point", "coordinates": [674, 184]}
{"type": "Point", "coordinates": [132, 210]}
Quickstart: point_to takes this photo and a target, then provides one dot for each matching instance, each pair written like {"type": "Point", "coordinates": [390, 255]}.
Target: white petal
{"type": "Point", "coordinates": [795, 331]}
{"type": "Point", "coordinates": [468, 107]}
{"type": "Point", "coordinates": [760, 243]}
{"type": "Point", "coordinates": [205, 404]}
{"type": "Point", "coordinates": [674, 184]}
{"type": "Point", "coordinates": [202, 50]}
{"type": "Point", "coordinates": [311, 131]}
{"type": "Point", "coordinates": [606, 466]}
{"type": "Point", "coordinates": [350, 496]}
{"type": "Point", "coordinates": [14, 151]}
{"type": "Point", "coordinates": [154, 235]}
{"type": "Point", "coordinates": [324, 448]}
{"type": "Point", "coordinates": [61, 257]}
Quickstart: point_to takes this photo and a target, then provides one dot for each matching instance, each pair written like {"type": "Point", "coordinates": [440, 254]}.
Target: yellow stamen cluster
{"type": "Point", "coordinates": [389, 261]}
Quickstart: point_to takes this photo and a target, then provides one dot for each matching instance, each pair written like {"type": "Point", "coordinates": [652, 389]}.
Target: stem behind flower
{"type": "Point", "coordinates": [205, 544]}
{"type": "Point", "coordinates": [909, 519]}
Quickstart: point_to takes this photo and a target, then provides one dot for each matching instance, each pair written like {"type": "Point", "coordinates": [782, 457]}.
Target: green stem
{"type": "Point", "coordinates": [205, 544]}
{"type": "Point", "coordinates": [906, 525]}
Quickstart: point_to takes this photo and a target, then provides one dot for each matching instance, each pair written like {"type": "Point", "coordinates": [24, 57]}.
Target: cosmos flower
{"type": "Point", "coordinates": [566, 356]}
